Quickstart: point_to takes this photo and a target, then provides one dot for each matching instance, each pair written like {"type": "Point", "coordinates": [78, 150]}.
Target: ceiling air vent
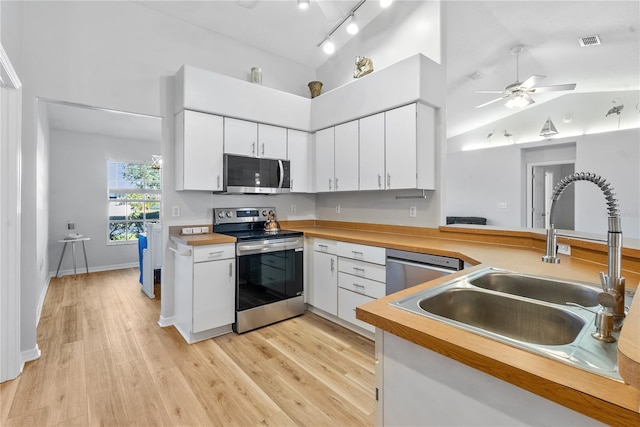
{"type": "Point", "coordinates": [589, 40]}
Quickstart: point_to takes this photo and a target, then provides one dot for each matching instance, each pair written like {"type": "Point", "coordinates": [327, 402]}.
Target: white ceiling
{"type": "Point", "coordinates": [479, 36]}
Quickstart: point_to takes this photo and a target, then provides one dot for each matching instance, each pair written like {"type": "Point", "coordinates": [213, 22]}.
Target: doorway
{"type": "Point", "coordinates": [541, 179]}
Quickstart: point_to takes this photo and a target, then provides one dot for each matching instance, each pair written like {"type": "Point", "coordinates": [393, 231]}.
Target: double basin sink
{"type": "Point", "coordinates": [525, 311]}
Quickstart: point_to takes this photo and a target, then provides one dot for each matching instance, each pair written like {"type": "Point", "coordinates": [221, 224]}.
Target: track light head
{"type": "Point", "coordinates": [304, 4]}
{"type": "Point", "coordinates": [328, 47]}
{"type": "Point", "coordinates": [352, 25]}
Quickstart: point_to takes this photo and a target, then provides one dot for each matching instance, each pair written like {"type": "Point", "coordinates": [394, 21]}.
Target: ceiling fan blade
{"type": "Point", "coordinates": [532, 81]}
{"type": "Point", "coordinates": [488, 91]}
{"type": "Point", "coordinates": [541, 89]}
{"type": "Point", "coordinates": [491, 102]}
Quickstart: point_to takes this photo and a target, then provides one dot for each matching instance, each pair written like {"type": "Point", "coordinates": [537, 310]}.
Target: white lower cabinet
{"type": "Point", "coordinates": [346, 275]}
{"type": "Point", "coordinates": [325, 277]}
{"type": "Point", "coordinates": [347, 303]}
{"type": "Point", "coordinates": [205, 280]}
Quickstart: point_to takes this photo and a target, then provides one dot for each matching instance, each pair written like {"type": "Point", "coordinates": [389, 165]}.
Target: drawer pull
{"type": "Point", "coordinates": [357, 285]}
{"type": "Point", "coordinates": [357, 253]}
{"type": "Point", "coordinates": [212, 254]}
{"type": "Point", "coordinates": [359, 269]}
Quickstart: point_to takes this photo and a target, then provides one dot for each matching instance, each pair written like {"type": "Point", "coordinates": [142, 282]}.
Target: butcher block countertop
{"type": "Point", "coordinates": [612, 402]}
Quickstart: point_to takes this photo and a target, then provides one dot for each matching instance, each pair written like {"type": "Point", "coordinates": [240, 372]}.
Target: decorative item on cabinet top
{"type": "Point", "coordinates": [315, 87]}
{"type": "Point", "coordinates": [256, 75]}
{"type": "Point", "coordinates": [363, 67]}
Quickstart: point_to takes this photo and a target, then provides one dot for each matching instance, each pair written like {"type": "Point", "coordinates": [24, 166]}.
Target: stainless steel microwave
{"type": "Point", "coordinates": [256, 175]}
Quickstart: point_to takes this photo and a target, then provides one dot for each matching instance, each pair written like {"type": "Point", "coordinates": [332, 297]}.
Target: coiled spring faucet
{"type": "Point", "coordinates": [611, 315]}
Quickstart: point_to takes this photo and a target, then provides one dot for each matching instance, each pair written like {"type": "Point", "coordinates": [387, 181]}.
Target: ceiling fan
{"type": "Point", "coordinates": [517, 94]}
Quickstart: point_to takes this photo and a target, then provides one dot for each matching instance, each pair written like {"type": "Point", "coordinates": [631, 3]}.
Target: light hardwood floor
{"type": "Point", "coordinates": [105, 361]}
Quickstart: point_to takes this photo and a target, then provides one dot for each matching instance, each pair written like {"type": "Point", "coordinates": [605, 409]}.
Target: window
{"type": "Point", "coordinates": [134, 199]}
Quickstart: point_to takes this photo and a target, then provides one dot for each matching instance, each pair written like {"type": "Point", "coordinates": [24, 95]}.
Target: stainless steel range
{"type": "Point", "coordinates": [269, 263]}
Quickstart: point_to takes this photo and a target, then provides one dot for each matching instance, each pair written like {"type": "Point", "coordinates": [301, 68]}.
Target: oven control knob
{"type": "Point", "coordinates": [228, 214]}
{"type": "Point", "coordinates": [220, 214]}
{"type": "Point", "coordinates": [264, 213]}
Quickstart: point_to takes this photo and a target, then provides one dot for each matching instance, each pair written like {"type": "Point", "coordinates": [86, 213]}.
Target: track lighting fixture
{"type": "Point", "coordinates": [304, 4]}
{"type": "Point", "coordinates": [352, 28]}
{"type": "Point", "coordinates": [352, 25]}
{"type": "Point", "coordinates": [328, 47]}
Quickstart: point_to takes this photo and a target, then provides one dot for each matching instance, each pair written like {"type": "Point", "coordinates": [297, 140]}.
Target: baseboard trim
{"type": "Point", "coordinates": [83, 270]}
{"type": "Point", "coordinates": [29, 356]}
{"type": "Point", "coordinates": [163, 322]}
{"type": "Point", "coordinates": [43, 295]}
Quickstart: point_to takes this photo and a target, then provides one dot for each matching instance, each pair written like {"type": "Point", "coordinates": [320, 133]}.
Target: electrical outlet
{"type": "Point", "coordinates": [338, 209]}
{"type": "Point", "coordinates": [564, 249]}
{"type": "Point", "coordinates": [293, 209]}
{"type": "Point", "coordinates": [502, 205]}
{"type": "Point", "coordinates": [413, 210]}
{"type": "Point", "coordinates": [175, 210]}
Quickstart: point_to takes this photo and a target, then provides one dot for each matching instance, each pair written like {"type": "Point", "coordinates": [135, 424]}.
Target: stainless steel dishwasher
{"type": "Point", "coordinates": [406, 269]}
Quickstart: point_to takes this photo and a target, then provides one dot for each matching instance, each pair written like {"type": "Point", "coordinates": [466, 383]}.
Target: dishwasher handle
{"type": "Point", "coordinates": [421, 265]}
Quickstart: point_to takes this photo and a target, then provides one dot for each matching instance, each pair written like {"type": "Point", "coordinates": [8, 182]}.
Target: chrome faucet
{"type": "Point", "coordinates": [610, 316]}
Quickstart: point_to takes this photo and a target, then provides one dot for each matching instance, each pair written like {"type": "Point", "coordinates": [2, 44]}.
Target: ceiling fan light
{"type": "Point", "coordinates": [304, 4]}
{"type": "Point", "coordinates": [328, 47]}
{"type": "Point", "coordinates": [519, 101]}
{"type": "Point", "coordinates": [352, 25]}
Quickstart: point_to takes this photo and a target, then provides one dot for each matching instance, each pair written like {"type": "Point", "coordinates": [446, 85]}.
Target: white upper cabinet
{"type": "Point", "coordinates": [324, 160]}
{"type": "Point", "coordinates": [299, 153]}
{"type": "Point", "coordinates": [400, 151]}
{"type": "Point", "coordinates": [410, 147]}
{"type": "Point", "coordinates": [198, 151]}
{"type": "Point", "coordinates": [372, 168]}
{"type": "Point", "coordinates": [246, 138]}
{"type": "Point", "coordinates": [240, 137]}
{"type": "Point", "coordinates": [346, 156]}
{"type": "Point", "coordinates": [272, 142]}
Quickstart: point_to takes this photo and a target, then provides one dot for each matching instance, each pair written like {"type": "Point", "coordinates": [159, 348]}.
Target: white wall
{"type": "Point", "coordinates": [78, 182]}
{"type": "Point", "coordinates": [478, 180]}
{"type": "Point", "coordinates": [413, 27]}
{"type": "Point", "coordinates": [616, 157]}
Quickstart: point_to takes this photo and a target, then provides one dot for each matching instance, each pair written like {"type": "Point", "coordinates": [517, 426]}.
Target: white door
{"type": "Point", "coordinates": [325, 282]}
{"type": "Point", "coordinates": [298, 153]}
{"type": "Point", "coordinates": [400, 147]}
{"type": "Point", "coordinates": [214, 293]}
{"type": "Point", "coordinates": [538, 212]}
{"type": "Point", "coordinates": [346, 156]}
{"type": "Point", "coordinates": [202, 162]}
{"type": "Point", "coordinates": [324, 160]}
{"type": "Point", "coordinates": [240, 137]}
{"type": "Point", "coordinates": [371, 148]}
{"type": "Point", "coordinates": [272, 142]}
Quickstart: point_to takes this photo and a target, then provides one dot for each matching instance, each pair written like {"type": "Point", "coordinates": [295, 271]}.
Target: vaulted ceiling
{"type": "Point", "coordinates": [479, 36]}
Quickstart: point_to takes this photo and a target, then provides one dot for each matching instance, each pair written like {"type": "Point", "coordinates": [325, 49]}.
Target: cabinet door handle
{"type": "Point", "coordinates": [332, 265]}
{"type": "Point", "coordinates": [388, 180]}
{"type": "Point", "coordinates": [218, 181]}
{"type": "Point", "coordinates": [290, 183]}
{"type": "Point", "coordinates": [329, 183]}
{"type": "Point", "coordinates": [336, 183]}
{"type": "Point", "coordinates": [253, 148]}
{"type": "Point", "coordinates": [262, 151]}
{"type": "Point", "coordinates": [379, 181]}
{"type": "Point", "coordinates": [230, 269]}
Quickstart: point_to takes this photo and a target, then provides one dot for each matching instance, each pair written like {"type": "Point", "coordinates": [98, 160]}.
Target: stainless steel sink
{"type": "Point", "coordinates": [525, 311]}
{"type": "Point", "coordinates": [513, 318]}
{"type": "Point", "coordinates": [543, 289]}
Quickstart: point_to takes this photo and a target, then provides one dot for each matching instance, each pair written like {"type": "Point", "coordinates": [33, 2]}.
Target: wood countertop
{"type": "Point", "coordinates": [612, 402]}
{"type": "Point", "coordinates": [198, 239]}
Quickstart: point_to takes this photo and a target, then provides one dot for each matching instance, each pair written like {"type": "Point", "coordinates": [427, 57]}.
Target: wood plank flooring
{"type": "Point", "coordinates": [105, 361]}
